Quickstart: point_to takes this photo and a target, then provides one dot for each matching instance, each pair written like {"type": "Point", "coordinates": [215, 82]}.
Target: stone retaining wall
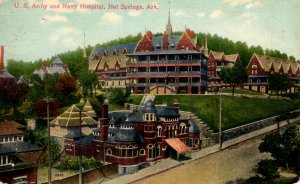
{"type": "Point", "coordinates": [244, 129]}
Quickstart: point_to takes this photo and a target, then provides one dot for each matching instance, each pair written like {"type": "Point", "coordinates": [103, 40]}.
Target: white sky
{"type": "Point", "coordinates": [33, 33]}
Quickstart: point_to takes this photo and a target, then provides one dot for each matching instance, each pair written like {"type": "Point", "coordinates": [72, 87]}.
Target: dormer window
{"type": "Point", "coordinates": [149, 117]}
{"type": "Point", "coordinates": [124, 50]}
{"type": "Point", "coordinates": [105, 53]}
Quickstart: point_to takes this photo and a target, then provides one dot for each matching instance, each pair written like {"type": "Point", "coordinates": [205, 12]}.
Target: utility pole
{"type": "Point", "coordinates": [80, 156]}
{"type": "Point", "coordinates": [220, 123]}
{"type": "Point", "coordinates": [48, 100]}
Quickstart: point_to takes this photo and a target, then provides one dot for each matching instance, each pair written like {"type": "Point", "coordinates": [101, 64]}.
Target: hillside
{"type": "Point", "coordinates": [236, 111]}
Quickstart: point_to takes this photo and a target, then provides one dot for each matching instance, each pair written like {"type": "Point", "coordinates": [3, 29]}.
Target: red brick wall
{"type": "Point", "coordinates": [8, 177]}
{"type": "Point", "coordinates": [253, 61]}
{"type": "Point", "coordinates": [184, 43]}
{"type": "Point", "coordinates": [144, 44]}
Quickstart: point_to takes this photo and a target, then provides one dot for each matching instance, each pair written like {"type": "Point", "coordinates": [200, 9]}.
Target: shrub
{"type": "Point", "coordinates": [73, 164]}
{"type": "Point", "coordinates": [267, 169]}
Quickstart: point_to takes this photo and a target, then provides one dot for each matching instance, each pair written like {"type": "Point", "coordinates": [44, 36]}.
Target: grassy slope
{"type": "Point", "coordinates": [236, 111]}
{"type": "Point", "coordinates": [241, 91]}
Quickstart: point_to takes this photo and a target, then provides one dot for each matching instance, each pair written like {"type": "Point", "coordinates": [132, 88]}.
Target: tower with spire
{"type": "Point", "coordinates": [84, 52]}
{"type": "Point", "coordinates": [169, 26]}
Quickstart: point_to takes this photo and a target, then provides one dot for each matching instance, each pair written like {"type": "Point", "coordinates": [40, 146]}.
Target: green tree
{"type": "Point", "coordinates": [279, 83]}
{"type": "Point", "coordinates": [234, 76]}
{"type": "Point", "coordinates": [88, 81]}
{"type": "Point", "coordinates": [284, 148]}
{"type": "Point", "coordinates": [118, 96]}
{"type": "Point", "coordinates": [39, 137]}
{"type": "Point", "coordinates": [267, 168]}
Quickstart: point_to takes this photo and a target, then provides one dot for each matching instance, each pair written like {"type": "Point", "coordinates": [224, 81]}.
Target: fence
{"type": "Point", "coordinates": [91, 175]}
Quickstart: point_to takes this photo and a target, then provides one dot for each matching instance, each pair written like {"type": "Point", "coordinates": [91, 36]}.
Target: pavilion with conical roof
{"type": "Point", "coordinates": [70, 120]}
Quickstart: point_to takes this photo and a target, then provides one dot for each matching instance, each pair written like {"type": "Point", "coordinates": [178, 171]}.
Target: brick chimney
{"type": "Point", "coordinates": [165, 41]}
{"type": "Point", "coordinates": [1, 57]}
{"type": "Point", "coordinates": [176, 106]}
{"type": "Point", "coordinates": [44, 66]}
{"type": "Point", "coordinates": [66, 68]}
{"type": "Point", "coordinates": [104, 121]}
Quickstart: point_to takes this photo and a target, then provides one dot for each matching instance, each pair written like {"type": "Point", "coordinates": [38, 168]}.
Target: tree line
{"type": "Point", "coordinates": [75, 61]}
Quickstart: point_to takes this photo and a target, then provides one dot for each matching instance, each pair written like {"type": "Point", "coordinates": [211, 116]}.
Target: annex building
{"type": "Point", "coordinates": [261, 67]}
{"type": "Point", "coordinates": [216, 62]}
{"type": "Point", "coordinates": [109, 63]}
{"type": "Point", "coordinates": [56, 67]}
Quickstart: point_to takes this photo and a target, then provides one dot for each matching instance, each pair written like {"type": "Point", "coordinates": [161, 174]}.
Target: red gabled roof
{"type": "Point", "coordinates": [10, 127]}
{"type": "Point", "coordinates": [145, 44]}
{"type": "Point", "coordinates": [178, 145]}
{"type": "Point", "coordinates": [185, 43]}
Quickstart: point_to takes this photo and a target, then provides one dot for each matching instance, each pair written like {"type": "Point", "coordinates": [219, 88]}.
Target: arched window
{"type": "Point", "coordinates": [197, 141]}
{"type": "Point", "coordinates": [123, 151]}
{"type": "Point", "coordinates": [151, 117]}
{"type": "Point", "coordinates": [168, 131]}
{"type": "Point", "coordinates": [190, 142]}
{"type": "Point", "coordinates": [108, 152]}
{"type": "Point", "coordinates": [182, 128]}
{"type": "Point", "coordinates": [158, 131]}
{"type": "Point", "coordinates": [151, 151]}
{"type": "Point", "coordinates": [130, 151]}
{"type": "Point", "coordinates": [158, 150]}
{"type": "Point", "coordinates": [142, 152]}
{"type": "Point", "coordinates": [173, 131]}
{"type": "Point", "coordinates": [147, 117]}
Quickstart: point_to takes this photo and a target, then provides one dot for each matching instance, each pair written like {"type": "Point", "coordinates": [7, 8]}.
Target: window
{"type": "Point", "coordinates": [108, 152]}
{"type": "Point", "coordinates": [20, 179]}
{"type": "Point", "coordinates": [130, 151]}
{"type": "Point", "coordinates": [142, 152]}
{"type": "Point", "coordinates": [123, 151]}
{"type": "Point", "coordinates": [151, 153]}
{"type": "Point", "coordinates": [197, 141]}
{"type": "Point", "coordinates": [182, 128]}
{"type": "Point", "coordinates": [4, 160]}
{"type": "Point", "coordinates": [190, 142]}
{"type": "Point", "coordinates": [158, 131]}
{"type": "Point", "coordinates": [158, 150]}
{"type": "Point", "coordinates": [98, 148]}
{"type": "Point", "coordinates": [135, 151]}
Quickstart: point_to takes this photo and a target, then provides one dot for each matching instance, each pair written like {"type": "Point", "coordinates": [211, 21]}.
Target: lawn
{"type": "Point", "coordinates": [240, 91]}
{"type": "Point", "coordinates": [236, 111]}
{"type": "Point", "coordinates": [133, 99]}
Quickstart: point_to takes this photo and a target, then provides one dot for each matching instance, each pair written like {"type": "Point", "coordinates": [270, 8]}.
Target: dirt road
{"type": "Point", "coordinates": [229, 164]}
